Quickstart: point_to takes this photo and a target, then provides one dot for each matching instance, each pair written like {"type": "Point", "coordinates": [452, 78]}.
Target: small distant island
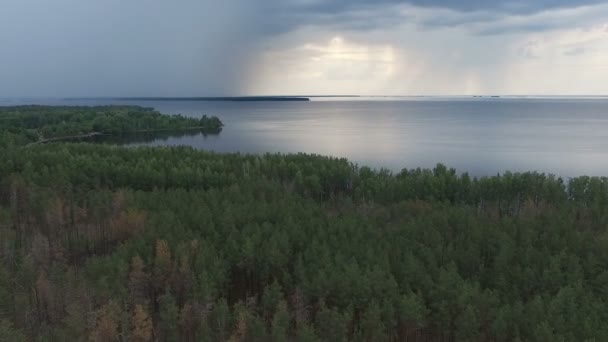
{"type": "Point", "coordinates": [226, 98]}
{"type": "Point", "coordinates": [42, 124]}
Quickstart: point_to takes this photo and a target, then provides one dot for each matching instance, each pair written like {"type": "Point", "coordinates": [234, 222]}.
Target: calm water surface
{"type": "Point", "coordinates": [567, 137]}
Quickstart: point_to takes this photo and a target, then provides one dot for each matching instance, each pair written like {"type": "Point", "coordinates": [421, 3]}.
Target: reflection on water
{"type": "Point", "coordinates": [568, 137]}
{"type": "Point", "coordinates": [146, 138]}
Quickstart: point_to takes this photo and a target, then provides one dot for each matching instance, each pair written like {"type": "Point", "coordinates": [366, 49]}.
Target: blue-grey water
{"type": "Point", "coordinates": [563, 136]}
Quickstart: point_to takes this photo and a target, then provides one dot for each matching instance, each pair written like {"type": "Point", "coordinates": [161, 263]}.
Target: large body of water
{"type": "Point", "coordinates": [567, 137]}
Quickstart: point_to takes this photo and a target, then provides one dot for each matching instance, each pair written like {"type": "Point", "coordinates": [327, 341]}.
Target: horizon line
{"type": "Point", "coordinates": [295, 96]}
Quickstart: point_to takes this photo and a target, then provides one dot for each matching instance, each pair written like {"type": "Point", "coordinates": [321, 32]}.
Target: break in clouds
{"type": "Point", "coordinates": [238, 47]}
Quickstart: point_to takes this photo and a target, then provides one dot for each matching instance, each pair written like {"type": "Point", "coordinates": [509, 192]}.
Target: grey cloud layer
{"type": "Point", "coordinates": [504, 6]}
{"type": "Point", "coordinates": [480, 16]}
{"type": "Point", "coordinates": [193, 47]}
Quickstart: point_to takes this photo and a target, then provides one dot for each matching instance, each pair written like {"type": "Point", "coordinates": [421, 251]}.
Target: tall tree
{"type": "Point", "coordinates": [142, 325]}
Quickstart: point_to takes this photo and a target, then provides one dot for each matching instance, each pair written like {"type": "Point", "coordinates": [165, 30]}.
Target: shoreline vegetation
{"type": "Point", "coordinates": [129, 137]}
{"type": "Point", "coordinates": [105, 243]}
{"type": "Point", "coordinates": [44, 124]}
{"type": "Point", "coordinates": [64, 138]}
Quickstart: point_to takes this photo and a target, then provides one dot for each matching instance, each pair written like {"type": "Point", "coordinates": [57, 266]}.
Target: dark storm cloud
{"type": "Point", "coordinates": [136, 47]}
{"type": "Point", "coordinates": [484, 17]}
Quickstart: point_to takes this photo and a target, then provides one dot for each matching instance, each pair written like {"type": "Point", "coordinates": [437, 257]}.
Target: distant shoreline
{"type": "Point", "coordinates": [226, 98]}
{"type": "Point", "coordinates": [213, 98]}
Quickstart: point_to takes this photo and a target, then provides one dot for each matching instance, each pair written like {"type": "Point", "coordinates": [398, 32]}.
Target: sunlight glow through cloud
{"type": "Point", "coordinates": [319, 67]}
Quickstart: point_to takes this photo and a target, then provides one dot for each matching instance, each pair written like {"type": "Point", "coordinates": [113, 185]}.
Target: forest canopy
{"type": "Point", "coordinates": [104, 243]}
{"type": "Point", "coordinates": [36, 123]}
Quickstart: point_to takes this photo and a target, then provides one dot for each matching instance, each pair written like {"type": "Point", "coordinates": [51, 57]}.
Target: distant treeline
{"type": "Point", "coordinates": [38, 123]}
{"type": "Point", "coordinates": [103, 243]}
{"type": "Point", "coordinates": [228, 98]}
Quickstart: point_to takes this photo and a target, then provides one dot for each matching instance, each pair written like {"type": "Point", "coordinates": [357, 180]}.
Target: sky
{"type": "Point", "coordinates": [73, 48]}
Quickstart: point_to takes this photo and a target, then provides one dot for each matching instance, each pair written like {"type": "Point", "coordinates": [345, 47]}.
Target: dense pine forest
{"type": "Point", "coordinates": [50, 123]}
{"type": "Point", "coordinates": [104, 243]}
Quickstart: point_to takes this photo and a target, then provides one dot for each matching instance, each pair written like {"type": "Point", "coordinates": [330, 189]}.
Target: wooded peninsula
{"type": "Point", "coordinates": [32, 124]}
{"type": "Point", "coordinates": [104, 243]}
